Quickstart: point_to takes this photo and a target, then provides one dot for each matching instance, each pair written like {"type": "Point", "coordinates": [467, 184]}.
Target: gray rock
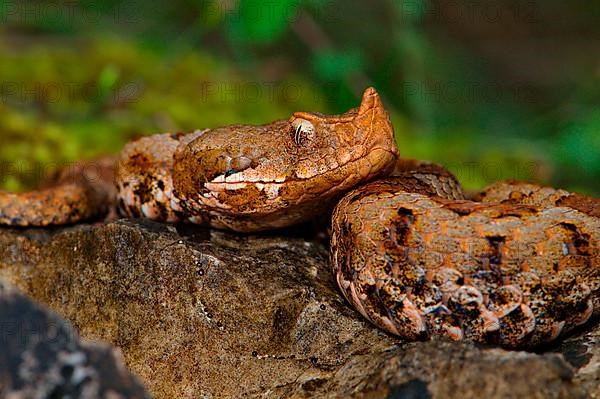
{"type": "Point", "coordinates": [201, 313]}
{"type": "Point", "coordinates": [582, 351]}
{"type": "Point", "coordinates": [42, 357]}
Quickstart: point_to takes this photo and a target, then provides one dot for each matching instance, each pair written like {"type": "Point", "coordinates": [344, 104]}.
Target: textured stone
{"type": "Point", "coordinates": [42, 357]}
{"type": "Point", "coordinates": [582, 351]}
{"type": "Point", "coordinates": [203, 313]}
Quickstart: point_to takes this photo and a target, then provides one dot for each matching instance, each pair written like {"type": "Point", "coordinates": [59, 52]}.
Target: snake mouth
{"type": "Point", "coordinates": [379, 160]}
{"type": "Point", "coordinates": [235, 176]}
{"type": "Point", "coordinates": [222, 180]}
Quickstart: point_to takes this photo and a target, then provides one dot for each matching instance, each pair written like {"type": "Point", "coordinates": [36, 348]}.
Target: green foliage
{"type": "Point", "coordinates": [84, 100]}
{"type": "Point", "coordinates": [577, 151]}
{"type": "Point", "coordinates": [261, 22]}
{"type": "Point", "coordinates": [194, 63]}
{"type": "Point", "coordinates": [337, 65]}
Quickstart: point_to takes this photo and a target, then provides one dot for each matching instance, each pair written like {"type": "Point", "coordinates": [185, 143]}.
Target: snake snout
{"type": "Point", "coordinates": [232, 166]}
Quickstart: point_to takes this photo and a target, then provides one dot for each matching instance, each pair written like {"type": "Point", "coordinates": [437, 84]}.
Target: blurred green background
{"type": "Point", "coordinates": [492, 89]}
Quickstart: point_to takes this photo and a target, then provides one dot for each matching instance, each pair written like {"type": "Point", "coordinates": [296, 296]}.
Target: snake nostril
{"type": "Point", "coordinates": [237, 165]}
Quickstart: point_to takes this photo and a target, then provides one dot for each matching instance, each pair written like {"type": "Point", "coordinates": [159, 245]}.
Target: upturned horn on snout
{"type": "Point", "coordinates": [370, 101]}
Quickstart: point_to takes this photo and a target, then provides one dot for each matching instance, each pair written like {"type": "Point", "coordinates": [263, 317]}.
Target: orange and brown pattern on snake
{"type": "Point", "coordinates": [250, 178]}
{"type": "Point", "coordinates": [513, 275]}
{"type": "Point", "coordinates": [143, 178]}
{"type": "Point", "coordinates": [515, 192]}
{"type": "Point", "coordinates": [79, 192]}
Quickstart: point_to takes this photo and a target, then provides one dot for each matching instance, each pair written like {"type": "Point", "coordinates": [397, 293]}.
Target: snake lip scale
{"type": "Point", "coordinates": [517, 266]}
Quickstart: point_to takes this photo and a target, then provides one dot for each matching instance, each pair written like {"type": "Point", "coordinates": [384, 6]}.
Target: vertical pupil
{"type": "Point", "coordinates": [297, 136]}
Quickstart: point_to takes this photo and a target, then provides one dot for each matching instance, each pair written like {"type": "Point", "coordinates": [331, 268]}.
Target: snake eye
{"type": "Point", "coordinates": [302, 130]}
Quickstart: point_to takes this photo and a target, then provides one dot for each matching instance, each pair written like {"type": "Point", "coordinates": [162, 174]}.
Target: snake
{"type": "Point", "coordinates": [517, 265]}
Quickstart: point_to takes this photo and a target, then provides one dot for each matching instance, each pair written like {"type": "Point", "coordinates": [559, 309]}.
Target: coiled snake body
{"type": "Point", "coordinates": [517, 267]}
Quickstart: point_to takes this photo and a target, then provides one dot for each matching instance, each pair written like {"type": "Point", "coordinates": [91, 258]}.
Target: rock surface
{"type": "Point", "coordinates": [42, 357]}
{"type": "Point", "coordinates": [582, 351]}
{"type": "Point", "coordinates": [207, 314]}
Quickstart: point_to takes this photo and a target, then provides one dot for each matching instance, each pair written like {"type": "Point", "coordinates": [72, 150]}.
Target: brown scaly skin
{"type": "Point", "coordinates": [251, 178]}
{"type": "Point", "coordinates": [81, 192]}
{"type": "Point", "coordinates": [418, 264]}
{"type": "Point", "coordinates": [513, 192]}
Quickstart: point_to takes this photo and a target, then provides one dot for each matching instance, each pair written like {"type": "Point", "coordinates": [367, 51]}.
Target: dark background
{"type": "Point", "coordinates": [493, 89]}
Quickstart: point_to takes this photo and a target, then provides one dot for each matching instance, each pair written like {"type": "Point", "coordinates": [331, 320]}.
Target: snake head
{"type": "Point", "coordinates": [349, 136]}
{"type": "Point", "coordinates": [296, 166]}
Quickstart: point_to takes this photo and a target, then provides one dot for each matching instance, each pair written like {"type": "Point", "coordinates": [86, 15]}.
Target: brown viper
{"type": "Point", "coordinates": [517, 268]}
